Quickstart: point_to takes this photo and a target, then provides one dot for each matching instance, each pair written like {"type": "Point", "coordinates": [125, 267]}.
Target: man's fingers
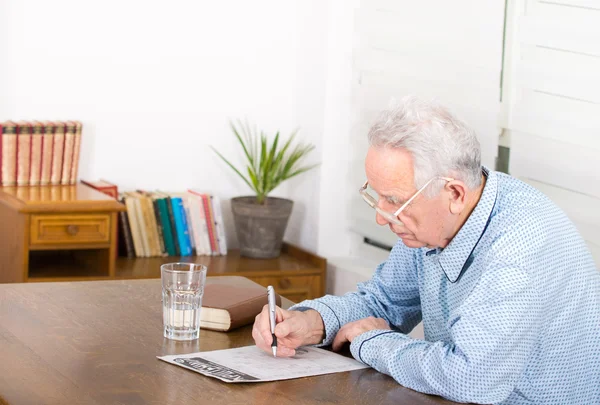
{"type": "Point", "coordinates": [267, 338]}
{"type": "Point", "coordinates": [279, 315]}
{"type": "Point", "coordinates": [283, 351]}
{"type": "Point", "coordinates": [339, 339]}
{"type": "Point", "coordinates": [261, 331]}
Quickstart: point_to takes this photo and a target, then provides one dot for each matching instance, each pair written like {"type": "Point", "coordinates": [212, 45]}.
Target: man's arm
{"type": "Point", "coordinates": [392, 294]}
{"type": "Point", "coordinates": [492, 336]}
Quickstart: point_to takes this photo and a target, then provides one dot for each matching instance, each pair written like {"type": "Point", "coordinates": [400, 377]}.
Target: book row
{"type": "Point", "coordinates": [39, 153]}
{"type": "Point", "coordinates": [171, 224]}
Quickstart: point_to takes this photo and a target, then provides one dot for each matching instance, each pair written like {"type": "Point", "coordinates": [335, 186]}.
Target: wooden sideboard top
{"type": "Point", "coordinates": [292, 259]}
{"type": "Point", "coordinates": [71, 198]}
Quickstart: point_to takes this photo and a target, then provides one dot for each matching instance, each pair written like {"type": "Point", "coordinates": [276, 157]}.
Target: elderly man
{"type": "Point", "coordinates": [505, 286]}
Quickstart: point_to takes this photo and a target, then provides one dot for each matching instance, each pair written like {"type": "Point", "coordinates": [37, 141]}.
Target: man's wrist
{"type": "Point", "coordinates": [316, 331]}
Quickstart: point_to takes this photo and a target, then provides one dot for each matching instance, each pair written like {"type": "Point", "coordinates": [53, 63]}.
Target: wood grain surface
{"type": "Point", "coordinates": [96, 343]}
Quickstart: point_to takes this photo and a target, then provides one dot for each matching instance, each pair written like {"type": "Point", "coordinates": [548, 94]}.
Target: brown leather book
{"type": "Point", "coordinates": [226, 307]}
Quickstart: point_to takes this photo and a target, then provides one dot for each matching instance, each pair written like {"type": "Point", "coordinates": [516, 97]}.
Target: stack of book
{"type": "Point", "coordinates": [39, 153]}
{"type": "Point", "coordinates": [171, 224]}
{"type": "Point", "coordinates": [167, 224]}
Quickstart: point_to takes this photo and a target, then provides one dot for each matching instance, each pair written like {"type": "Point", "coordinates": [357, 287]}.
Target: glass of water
{"type": "Point", "coordinates": [182, 290]}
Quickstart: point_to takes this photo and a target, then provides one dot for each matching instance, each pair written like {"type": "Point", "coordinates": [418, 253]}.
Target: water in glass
{"type": "Point", "coordinates": [183, 287]}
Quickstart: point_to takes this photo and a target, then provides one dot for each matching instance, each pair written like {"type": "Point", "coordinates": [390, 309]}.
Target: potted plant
{"type": "Point", "coordinates": [261, 220]}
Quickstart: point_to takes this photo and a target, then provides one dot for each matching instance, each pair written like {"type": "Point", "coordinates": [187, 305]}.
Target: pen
{"type": "Point", "coordinates": [272, 318]}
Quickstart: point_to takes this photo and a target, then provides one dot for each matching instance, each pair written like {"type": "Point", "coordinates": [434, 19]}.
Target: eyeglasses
{"type": "Point", "coordinates": [393, 217]}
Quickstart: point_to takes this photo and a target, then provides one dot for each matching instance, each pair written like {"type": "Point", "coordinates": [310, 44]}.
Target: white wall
{"type": "Point", "coordinates": [552, 105]}
{"type": "Point", "coordinates": [155, 83]}
{"type": "Point", "coordinates": [450, 51]}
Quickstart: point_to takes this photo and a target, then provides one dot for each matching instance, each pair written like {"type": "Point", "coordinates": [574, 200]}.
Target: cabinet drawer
{"type": "Point", "coordinates": [295, 288]}
{"type": "Point", "coordinates": [83, 228]}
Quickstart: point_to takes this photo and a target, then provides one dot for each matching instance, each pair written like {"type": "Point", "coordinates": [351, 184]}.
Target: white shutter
{"type": "Point", "coordinates": [553, 101]}
{"type": "Point", "coordinates": [450, 51]}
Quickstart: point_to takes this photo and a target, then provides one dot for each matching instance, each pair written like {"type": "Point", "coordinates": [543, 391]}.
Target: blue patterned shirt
{"type": "Point", "coordinates": [510, 308]}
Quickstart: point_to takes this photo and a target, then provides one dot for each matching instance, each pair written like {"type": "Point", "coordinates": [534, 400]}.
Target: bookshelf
{"type": "Point", "coordinates": [68, 233]}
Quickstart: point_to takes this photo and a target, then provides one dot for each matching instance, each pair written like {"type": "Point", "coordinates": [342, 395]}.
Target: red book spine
{"type": "Point", "coordinates": [9, 154]}
{"type": "Point", "coordinates": [23, 153]}
{"type": "Point", "coordinates": [76, 153]}
{"type": "Point", "coordinates": [47, 152]}
{"type": "Point", "coordinates": [65, 177]}
{"type": "Point", "coordinates": [37, 139]}
{"type": "Point", "coordinates": [214, 247]}
{"type": "Point", "coordinates": [57, 153]}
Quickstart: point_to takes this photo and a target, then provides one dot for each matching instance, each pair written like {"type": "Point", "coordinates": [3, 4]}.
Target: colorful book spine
{"type": "Point", "coordinates": [57, 153]}
{"type": "Point", "coordinates": [196, 223]}
{"type": "Point", "coordinates": [182, 227]}
{"type": "Point", "coordinates": [134, 225]}
{"type": "Point", "coordinates": [47, 152]}
{"type": "Point", "coordinates": [35, 169]}
{"type": "Point", "coordinates": [219, 225]}
{"type": "Point", "coordinates": [125, 237]}
{"type": "Point", "coordinates": [76, 153]}
{"type": "Point", "coordinates": [65, 177]}
{"type": "Point", "coordinates": [23, 153]}
{"type": "Point", "coordinates": [8, 146]}
{"type": "Point", "coordinates": [166, 225]}
{"type": "Point", "coordinates": [171, 212]}
{"type": "Point", "coordinates": [210, 225]}
{"type": "Point", "coordinates": [159, 227]}
{"type": "Point", "coordinates": [190, 225]}
{"type": "Point", "coordinates": [150, 224]}
{"type": "Point", "coordinates": [143, 225]}
{"type": "Point", "coordinates": [202, 228]}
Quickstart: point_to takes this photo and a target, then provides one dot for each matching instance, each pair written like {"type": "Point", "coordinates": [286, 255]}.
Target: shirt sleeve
{"type": "Point", "coordinates": [392, 294]}
{"type": "Point", "coordinates": [492, 336]}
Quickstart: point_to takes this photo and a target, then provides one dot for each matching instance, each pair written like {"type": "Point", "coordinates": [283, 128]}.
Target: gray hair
{"type": "Point", "coordinates": [440, 144]}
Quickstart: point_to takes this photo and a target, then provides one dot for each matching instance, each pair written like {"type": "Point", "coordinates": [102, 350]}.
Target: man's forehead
{"type": "Point", "coordinates": [389, 170]}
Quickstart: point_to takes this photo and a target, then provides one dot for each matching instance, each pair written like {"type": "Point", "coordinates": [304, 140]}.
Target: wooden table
{"type": "Point", "coordinates": [96, 343]}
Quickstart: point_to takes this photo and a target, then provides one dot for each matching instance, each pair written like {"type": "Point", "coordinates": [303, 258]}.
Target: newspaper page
{"type": "Point", "coordinates": [250, 364]}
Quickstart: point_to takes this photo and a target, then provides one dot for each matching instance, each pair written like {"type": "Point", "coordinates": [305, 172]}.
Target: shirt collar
{"type": "Point", "coordinates": [453, 258]}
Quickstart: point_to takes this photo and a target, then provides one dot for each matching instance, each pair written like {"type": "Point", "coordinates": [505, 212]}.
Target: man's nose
{"type": "Point", "coordinates": [380, 219]}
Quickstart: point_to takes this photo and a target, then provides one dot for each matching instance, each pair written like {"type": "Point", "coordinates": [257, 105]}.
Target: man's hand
{"type": "Point", "coordinates": [294, 329]}
{"type": "Point", "coordinates": [349, 331]}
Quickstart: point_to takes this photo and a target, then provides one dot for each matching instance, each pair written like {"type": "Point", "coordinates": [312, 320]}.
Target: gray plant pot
{"type": "Point", "coordinates": [260, 228]}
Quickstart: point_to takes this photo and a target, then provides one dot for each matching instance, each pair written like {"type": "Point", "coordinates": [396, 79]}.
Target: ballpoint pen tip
{"type": "Point", "coordinates": [274, 351]}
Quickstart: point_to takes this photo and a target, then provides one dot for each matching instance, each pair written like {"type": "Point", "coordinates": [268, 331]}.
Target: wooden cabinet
{"type": "Point", "coordinates": [60, 233]}
{"type": "Point", "coordinates": [296, 274]}
{"type": "Point", "coordinates": [295, 288]}
{"type": "Point", "coordinates": [52, 233]}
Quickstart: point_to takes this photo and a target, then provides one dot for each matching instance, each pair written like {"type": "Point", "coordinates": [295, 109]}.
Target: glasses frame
{"type": "Point", "coordinates": [389, 216]}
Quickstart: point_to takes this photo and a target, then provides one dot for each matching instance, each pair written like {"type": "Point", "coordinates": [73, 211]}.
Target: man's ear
{"type": "Point", "coordinates": [458, 196]}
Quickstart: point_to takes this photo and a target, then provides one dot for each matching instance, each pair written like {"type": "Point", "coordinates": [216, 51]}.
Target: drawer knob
{"type": "Point", "coordinates": [72, 230]}
{"type": "Point", "coordinates": [285, 283]}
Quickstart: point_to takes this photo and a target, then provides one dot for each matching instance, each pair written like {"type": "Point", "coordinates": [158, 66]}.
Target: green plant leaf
{"type": "Point", "coordinates": [268, 164]}
{"type": "Point", "coordinates": [233, 167]}
{"type": "Point", "coordinates": [241, 141]}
